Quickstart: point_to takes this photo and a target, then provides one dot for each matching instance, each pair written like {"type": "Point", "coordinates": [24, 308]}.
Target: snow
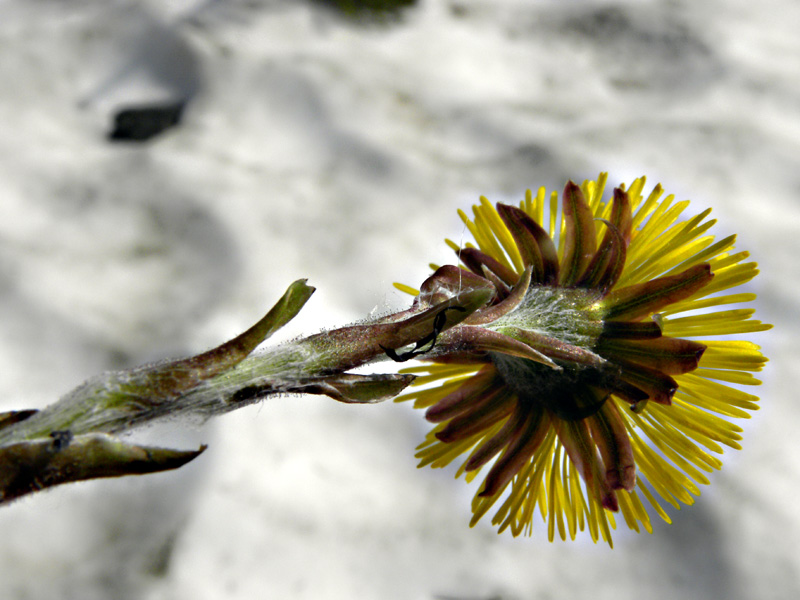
{"type": "Point", "coordinates": [313, 147]}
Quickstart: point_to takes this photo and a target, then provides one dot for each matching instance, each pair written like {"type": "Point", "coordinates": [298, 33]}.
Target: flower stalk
{"type": "Point", "coordinates": [77, 438]}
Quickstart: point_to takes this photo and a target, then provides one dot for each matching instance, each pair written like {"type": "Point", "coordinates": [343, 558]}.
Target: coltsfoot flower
{"type": "Point", "coordinates": [594, 381]}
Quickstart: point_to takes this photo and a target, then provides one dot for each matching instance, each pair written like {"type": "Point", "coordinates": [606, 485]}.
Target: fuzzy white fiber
{"type": "Point", "coordinates": [315, 147]}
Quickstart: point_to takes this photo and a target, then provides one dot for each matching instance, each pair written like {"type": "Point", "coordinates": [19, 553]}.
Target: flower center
{"type": "Point", "coordinates": [572, 394]}
{"type": "Point", "coordinates": [570, 316]}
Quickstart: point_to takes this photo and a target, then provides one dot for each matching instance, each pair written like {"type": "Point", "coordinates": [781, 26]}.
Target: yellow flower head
{"type": "Point", "coordinates": [578, 386]}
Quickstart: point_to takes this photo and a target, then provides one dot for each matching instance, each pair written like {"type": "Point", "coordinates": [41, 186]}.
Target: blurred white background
{"type": "Point", "coordinates": [318, 146]}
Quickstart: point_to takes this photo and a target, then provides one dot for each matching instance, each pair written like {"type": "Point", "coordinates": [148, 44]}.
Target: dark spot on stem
{"type": "Point", "coordinates": [439, 321]}
{"type": "Point", "coordinates": [61, 439]}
